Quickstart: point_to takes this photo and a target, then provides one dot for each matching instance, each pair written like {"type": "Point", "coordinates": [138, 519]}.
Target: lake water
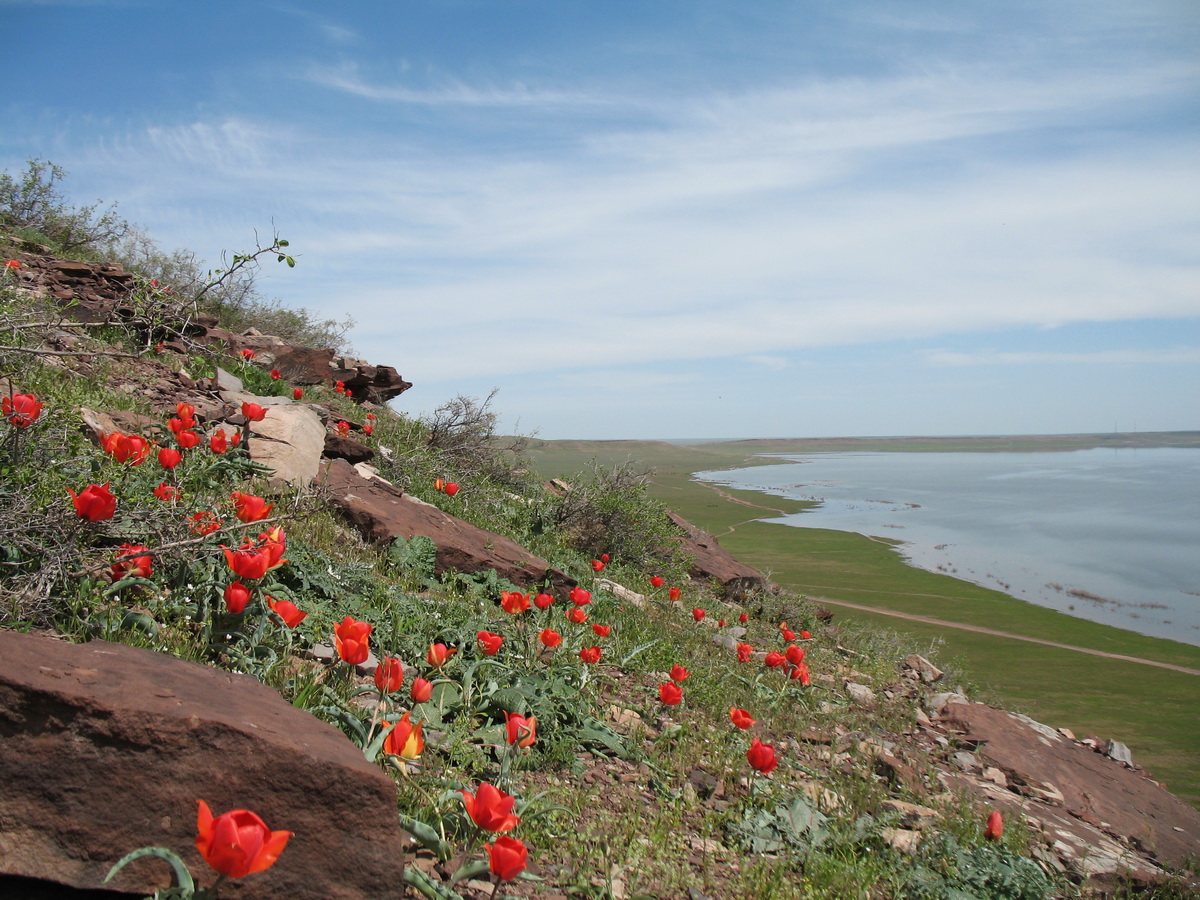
{"type": "Point", "coordinates": [1108, 535]}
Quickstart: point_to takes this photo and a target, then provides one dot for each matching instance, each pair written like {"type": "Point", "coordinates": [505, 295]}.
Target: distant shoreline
{"type": "Point", "coordinates": [953, 443]}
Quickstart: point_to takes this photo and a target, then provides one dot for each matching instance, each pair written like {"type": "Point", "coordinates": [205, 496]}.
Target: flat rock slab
{"type": "Point", "coordinates": [1040, 762]}
{"type": "Point", "coordinates": [106, 748]}
{"type": "Point", "coordinates": [381, 512]}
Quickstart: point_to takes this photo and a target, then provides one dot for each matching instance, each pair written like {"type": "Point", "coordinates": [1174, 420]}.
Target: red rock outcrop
{"type": "Point", "coordinates": [381, 512]}
{"type": "Point", "coordinates": [711, 560]}
{"type": "Point", "coordinates": [106, 748]}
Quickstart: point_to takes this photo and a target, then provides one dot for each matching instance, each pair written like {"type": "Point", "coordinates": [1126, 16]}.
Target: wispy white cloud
{"type": "Point", "coordinates": [1173, 356]}
{"type": "Point", "coordinates": [347, 79]}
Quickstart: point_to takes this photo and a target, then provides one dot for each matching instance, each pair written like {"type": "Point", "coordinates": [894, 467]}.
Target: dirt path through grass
{"type": "Point", "coordinates": [942, 623]}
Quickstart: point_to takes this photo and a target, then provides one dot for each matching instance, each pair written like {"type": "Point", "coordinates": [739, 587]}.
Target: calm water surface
{"type": "Point", "coordinates": [1108, 535]}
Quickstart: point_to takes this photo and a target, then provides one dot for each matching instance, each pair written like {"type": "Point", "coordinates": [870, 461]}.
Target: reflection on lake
{"type": "Point", "coordinates": [1109, 535]}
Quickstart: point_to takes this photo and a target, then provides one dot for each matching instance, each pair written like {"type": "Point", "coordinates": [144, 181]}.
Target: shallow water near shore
{"type": "Point", "coordinates": [1108, 535]}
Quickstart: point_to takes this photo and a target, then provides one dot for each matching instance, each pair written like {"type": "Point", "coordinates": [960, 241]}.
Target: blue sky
{"type": "Point", "coordinates": [683, 219]}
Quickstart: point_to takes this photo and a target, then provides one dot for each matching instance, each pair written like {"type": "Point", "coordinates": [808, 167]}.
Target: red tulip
{"type": "Point", "coordinates": [371, 417]}
{"type": "Point", "coordinates": [237, 596]}
{"type": "Point", "coordinates": [579, 596]}
{"type": "Point", "coordinates": [21, 410]}
{"type": "Point", "coordinates": [788, 634]}
{"type": "Point", "coordinates": [805, 636]}
{"type": "Point", "coordinates": [253, 411]}
{"type": "Point", "coordinates": [604, 557]}
{"type": "Point", "coordinates": [679, 673]}
{"type": "Point", "coordinates": [774, 659]}
{"type": "Point", "coordinates": [12, 265]}
{"type": "Point", "coordinates": [247, 353]}
{"type": "Point", "coordinates": [248, 561]}
{"type": "Point", "coordinates": [590, 654]}
{"type": "Point", "coordinates": [218, 442]}
{"type": "Point", "coordinates": [133, 566]}
{"type": "Point", "coordinates": [602, 630]}
{"type": "Point", "coordinates": [995, 826]}
{"type": "Point", "coordinates": [187, 439]}
{"type": "Point", "coordinates": [549, 637]}
{"type": "Point", "coordinates": [490, 808]}
{"type": "Point", "coordinates": [251, 508]}
{"type": "Point", "coordinates": [276, 374]}
{"type": "Point", "coordinates": [274, 543]}
{"type": "Point", "coordinates": [297, 394]}
{"type": "Point", "coordinates": [203, 523]}
{"type": "Point", "coordinates": [94, 503]}
{"type": "Point", "coordinates": [743, 652]}
{"type": "Point", "coordinates": [670, 693]}
{"type": "Point", "coordinates": [674, 594]}
{"type": "Point", "coordinates": [740, 717]}
{"type": "Point", "coordinates": [339, 386]}
{"type": "Point", "coordinates": [794, 654]}
{"type": "Point", "coordinates": [352, 639]}
{"type": "Point", "coordinates": [514, 602]}
{"type": "Point", "coordinates": [597, 566]}
{"type": "Point", "coordinates": [389, 675]}
{"type": "Point", "coordinates": [489, 642]}
{"type": "Point", "coordinates": [177, 425]}
{"type": "Point", "coordinates": [186, 412]}
{"type": "Point", "coordinates": [762, 757]}
{"type": "Point", "coordinates": [507, 857]}
{"type": "Point", "coordinates": [720, 623]}
{"type": "Point", "coordinates": [368, 429]}
{"type": "Point", "coordinates": [237, 843]}
{"type": "Point", "coordinates": [657, 581]}
{"type": "Point", "coordinates": [439, 654]}
{"type": "Point", "coordinates": [405, 739]}
{"type": "Point", "coordinates": [421, 690]}
{"type": "Point", "coordinates": [800, 673]}
{"type": "Point", "coordinates": [126, 448]}
{"type": "Point", "coordinates": [169, 458]}
{"type": "Point", "coordinates": [451, 489]}
{"type": "Point", "coordinates": [698, 614]}
{"type": "Point", "coordinates": [577, 615]}
{"type": "Point", "coordinates": [520, 731]}
{"type": "Point", "coordinates": [286, 610]}
{"type": "Point", "coordinates": [166, 492]}
{"type": "Point", "coordinates": [744, 618]}
{"type": "Point", "coordinates": [543, 601]}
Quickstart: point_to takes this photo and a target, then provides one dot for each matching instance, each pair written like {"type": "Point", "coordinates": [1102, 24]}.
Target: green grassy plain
{"type": "Point", "coordinates": [1151, 709]}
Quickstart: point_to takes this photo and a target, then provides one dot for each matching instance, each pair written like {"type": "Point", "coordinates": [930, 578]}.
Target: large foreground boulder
{"type": "Point", "coordinates": [381, 512]}
{"type": "Point", "coordinates": [105, 748]}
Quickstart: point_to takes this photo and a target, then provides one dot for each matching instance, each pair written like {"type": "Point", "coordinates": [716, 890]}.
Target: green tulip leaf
{"type": "Point", "coordinates": [182, 876]}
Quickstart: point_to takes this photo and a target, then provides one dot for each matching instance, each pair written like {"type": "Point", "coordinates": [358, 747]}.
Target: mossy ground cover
{"type": "Point", "coordinates": [1150, 709]}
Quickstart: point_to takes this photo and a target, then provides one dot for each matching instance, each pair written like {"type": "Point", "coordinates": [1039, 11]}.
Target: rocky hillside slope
{"type": "Point", "coordinates": [233, 574]}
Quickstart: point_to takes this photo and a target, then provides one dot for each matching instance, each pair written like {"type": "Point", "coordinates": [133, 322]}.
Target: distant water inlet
{"type": "Point", "coordinates": [1107, 535]}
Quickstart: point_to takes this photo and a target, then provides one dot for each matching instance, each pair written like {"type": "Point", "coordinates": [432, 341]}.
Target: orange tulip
{"type": "Point", "coordinates": [740, 717]}
{"type": "Point", "coordinates": [251, 508]}
{"type": "Point", "coordinates": [490, 808]}
{"type": "Point", "coordinates": [389, 675]}
{"type": "Point", "coordinates": [438, 655]}
{"type": "Point", "coordinates": [405, 739]}
{"type": "Point", "coordinates": [507, 857]}
{"type": "Point", "coordinates": [237, 843]}
{"type": "Point", "coordinates": [520, 731]}
{"type": "Point", "coordinates": [352, 640]}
